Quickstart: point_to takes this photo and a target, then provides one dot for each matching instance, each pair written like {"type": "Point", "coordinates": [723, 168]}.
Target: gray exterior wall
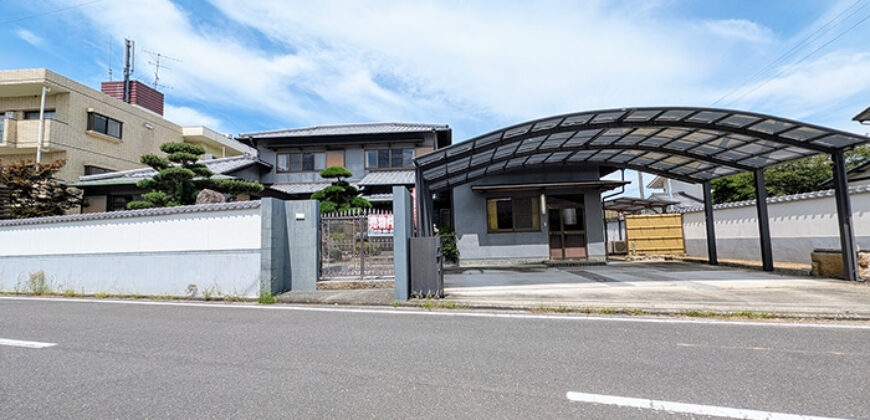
{"type": "Point", "coordinates": [354, 158]}
{"type": "Point", "coordinates": [476, 243]}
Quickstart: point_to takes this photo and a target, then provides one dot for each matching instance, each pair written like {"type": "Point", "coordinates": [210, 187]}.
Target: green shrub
{"type": "Point", "coordinates": [449, 249]}
{"type": "Point", "coordinates": [335, 254]}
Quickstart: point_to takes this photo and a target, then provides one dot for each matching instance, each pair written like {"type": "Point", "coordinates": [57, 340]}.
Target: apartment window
{"type": "Point", "coordinates": [102, 124]}
{"type": "Point", "coordinates": [301, 162]}
{"type": "Point", "coordinates": [34, 115]}
{"type": "Point", "coordinates": [96, 170]}
{"type": "Point", "coordinates": [513, 214]}
{"type": "Point", "coordinates": [389, 158]}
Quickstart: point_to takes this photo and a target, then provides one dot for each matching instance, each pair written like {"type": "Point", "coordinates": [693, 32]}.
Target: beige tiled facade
{"type": "Point", "coordinates": [67, 137]}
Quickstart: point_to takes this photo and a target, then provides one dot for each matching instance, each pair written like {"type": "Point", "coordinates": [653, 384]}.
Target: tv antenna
{"type": "Point", "coordinates": [156, 57]}
{"type": "Point", "coordinates": [110, 59]}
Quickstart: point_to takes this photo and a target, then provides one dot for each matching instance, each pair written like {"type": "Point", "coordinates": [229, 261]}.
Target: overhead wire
{"type": "Point", "coordinates": [820, 31]}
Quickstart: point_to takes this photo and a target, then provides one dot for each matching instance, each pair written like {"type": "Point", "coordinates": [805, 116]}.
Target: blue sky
{"type": "Point", "coordinates": [478, 66]}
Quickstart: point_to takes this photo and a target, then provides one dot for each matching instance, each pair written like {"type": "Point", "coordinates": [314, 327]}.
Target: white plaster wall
{"type": "Point", "coordinates": [218, 252]}
{"type": "Point", "coordinates": [796, 228]}
{"type": "Point", "coordinates": [237, 229]}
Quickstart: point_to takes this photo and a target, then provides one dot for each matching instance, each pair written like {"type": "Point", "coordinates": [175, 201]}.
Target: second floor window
{"type": "Point", "coordinates": [34, 115]}
{"type": "Point", "coordinates": [301, 162]}
{"type": "Point", "coordinates": [104, 125]}
{"type": "Point", "coordinates": [389, 158]}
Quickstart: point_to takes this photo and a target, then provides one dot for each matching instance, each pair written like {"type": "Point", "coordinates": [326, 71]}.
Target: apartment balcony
{"type": "Point", "coordinates": [22, 136]}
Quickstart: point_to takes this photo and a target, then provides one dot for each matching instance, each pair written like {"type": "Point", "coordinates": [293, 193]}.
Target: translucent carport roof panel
{"type": "Point", "coordinates": [691, 144]}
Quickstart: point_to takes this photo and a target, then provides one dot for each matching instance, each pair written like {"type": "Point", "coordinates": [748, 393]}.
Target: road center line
{"type": "Point", "coordinates": [677, 407]}
{"type": "Point", "coordinates": [446, 313]}
{"type": "Point", "coordinates": [25, 344]}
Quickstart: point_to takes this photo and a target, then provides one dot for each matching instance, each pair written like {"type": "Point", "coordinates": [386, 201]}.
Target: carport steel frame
{"type": "Point", "coordinates": [690, 144]}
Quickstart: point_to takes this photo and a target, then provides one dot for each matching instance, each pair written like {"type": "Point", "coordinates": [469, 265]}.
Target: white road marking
{"type": "Point", "coordinates": [677, 407]}
{"type": "Point", "coordinates": [448, 313]}
{"type": "Point", "coordinates": [25, 344]}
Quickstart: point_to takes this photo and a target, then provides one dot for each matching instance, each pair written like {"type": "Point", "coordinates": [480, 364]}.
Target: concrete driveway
{"type": "Point", "coordinates": [658, 287]}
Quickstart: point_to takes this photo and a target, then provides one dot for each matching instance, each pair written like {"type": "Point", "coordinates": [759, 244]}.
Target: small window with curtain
{"type": "Point", "coordinates": [389, 158]}
{"type": "Point", "coordinates": [301, 162]}
{"type": "Point", "coordinates": [513, 214]}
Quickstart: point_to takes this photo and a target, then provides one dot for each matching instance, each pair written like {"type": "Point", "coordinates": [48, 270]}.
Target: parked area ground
{"type": "Point", "coordinates": [77, 358]}
{"type": "Point", "coordinates": [666, 287]}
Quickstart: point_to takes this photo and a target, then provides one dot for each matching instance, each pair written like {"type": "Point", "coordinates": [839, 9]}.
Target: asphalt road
{"type": "Point", "coordinates": [168, 360]}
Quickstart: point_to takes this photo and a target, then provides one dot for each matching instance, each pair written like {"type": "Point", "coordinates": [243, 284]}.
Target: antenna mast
{"type": "Point", "coordinates": [129, 59]}
{"type": "Point", "coordinates": [156, 57]}
{"type": "Point", "coordinates": [110, 59]}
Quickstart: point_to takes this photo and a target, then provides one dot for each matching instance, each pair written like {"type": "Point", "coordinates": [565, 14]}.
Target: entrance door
{"type": "Point", "coordinates": [567, 230]}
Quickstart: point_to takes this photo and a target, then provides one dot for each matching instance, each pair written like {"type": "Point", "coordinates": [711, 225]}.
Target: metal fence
{"type": "Point", "coordinates": [356, 245]}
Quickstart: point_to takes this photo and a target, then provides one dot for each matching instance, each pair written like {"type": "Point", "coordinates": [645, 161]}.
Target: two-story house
{"type": "Point", "coordinates": [94, 131]}
{"type": "Point", "coordinates": [380, 155]}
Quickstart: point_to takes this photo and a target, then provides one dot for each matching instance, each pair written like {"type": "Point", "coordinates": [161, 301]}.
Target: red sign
{"type": "Point", "coordinates": [380, 225]}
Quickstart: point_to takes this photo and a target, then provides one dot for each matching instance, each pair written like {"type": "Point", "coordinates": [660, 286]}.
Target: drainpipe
{"type": "Point", "coordinates": [604, 212]}
{"type": "Point", "coordinates": [41, 132]}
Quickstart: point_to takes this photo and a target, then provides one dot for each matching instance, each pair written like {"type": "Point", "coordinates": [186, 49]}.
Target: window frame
{"type": "Point", "coordinates": [45, 115]}
{"type": "Point", "coordinates": [536, 214]}
{"type": "Point", "coordinates": [92, 126]}
{"type": "Point", "coordinates": [302, 162]}
{"type": "Point", "coordinates": [389, 158]}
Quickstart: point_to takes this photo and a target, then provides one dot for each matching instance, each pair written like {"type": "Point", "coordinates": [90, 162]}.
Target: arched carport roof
{"type": "Point", "coordinates": [684, 143]}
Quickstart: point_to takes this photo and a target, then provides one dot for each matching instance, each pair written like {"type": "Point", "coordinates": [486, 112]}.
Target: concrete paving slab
{"type": "Point", "coordinates": [658, 287]}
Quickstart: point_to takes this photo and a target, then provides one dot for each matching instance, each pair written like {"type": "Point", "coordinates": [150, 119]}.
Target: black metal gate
{"type": "Point", "coordinates": [356, 245]}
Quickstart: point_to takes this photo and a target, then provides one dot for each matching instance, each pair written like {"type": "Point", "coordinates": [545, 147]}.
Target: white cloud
{"type": "Point", "coordinates": [475, 65]}
{"type": "Point", "coordinates": [186, 116]}
{"type": "Point", "coordinates": [740, 29]}
{"type": "Point", "coordinates": [30, 37]}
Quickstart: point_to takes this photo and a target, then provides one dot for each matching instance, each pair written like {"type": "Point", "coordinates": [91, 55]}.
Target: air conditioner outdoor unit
{"type": "Point", "coordinates": [617, 247]}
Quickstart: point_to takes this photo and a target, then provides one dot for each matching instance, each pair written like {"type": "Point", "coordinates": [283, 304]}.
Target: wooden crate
{"type": "Point", "coordinates": [651, 234]}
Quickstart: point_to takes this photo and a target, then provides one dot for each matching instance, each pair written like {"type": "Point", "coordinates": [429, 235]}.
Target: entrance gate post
{"type": "Point", "coordinates": [403, 227]}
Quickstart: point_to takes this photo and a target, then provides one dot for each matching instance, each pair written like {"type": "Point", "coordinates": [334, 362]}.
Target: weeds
{"type": "Point", "coordinates": [266, 298]}
{"type": "Point", "coordinates": [38, 284]}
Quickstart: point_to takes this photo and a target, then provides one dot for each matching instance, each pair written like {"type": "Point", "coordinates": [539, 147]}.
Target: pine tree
{"type": "Point", "coordinates": [340, 195]}
{"type": "Point", "coordinates": [180, 177]}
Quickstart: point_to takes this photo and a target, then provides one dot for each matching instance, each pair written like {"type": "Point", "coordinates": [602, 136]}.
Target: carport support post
{"type": "Point", "coordinates": [712, 258]}
{"type": "Point", "coordinates": [424, 206]}
{"type": "Point", "coordinates": [844, 215]}
{"type": "Point", "coordinates": [763, 221]}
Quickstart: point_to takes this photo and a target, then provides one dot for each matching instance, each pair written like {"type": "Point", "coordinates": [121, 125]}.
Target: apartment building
{"type": "Point", "coordinates": [95, 131]}
{"type": "Point", "coordinates": [380, 155]}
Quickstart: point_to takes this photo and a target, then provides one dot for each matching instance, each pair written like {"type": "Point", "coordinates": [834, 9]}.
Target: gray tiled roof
{"type": "Point", "coordinates": [159, 211]}
{"type": "Point", "coordinates": [300, 187]}
{"type": "Point", "coordinates": [859, 189]}
{"type": "Point", "coordinates": [217, 166]}
{"type": "Point", "coordinates": [349, 129]}
{"type": "Point", "coordinates": [405, 177]}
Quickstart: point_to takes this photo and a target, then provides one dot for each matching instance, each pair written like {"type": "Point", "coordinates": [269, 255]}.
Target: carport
{"type": "Point", "coordinates": [694, 145]}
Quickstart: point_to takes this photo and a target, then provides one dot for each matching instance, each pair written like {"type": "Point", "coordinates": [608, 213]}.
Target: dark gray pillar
{"type": "Point", "coordinates": [274, 252]}
{"type": "Point", "coordinates": [303, 240]}
{"type": "Point", "coordinates": [712, 256]}
{"type": "Point", "coordinates": [403, 229]}
{"type": "Point", "coordinates": [763, 221]}
{"type": "Point", "coordinates": [425, 206]}
{"type": "Point", "coordinates": [844, 215]}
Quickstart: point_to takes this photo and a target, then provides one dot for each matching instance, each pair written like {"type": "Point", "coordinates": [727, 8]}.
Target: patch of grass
{"type": "Point", "coordinates": [752, 315]}
{"type": "Point", "coordinates": [70, 293]}
{"type": "Point", "coordinates": [607, 311]}
{"type": "Point", "coordinates": [231, 298]}
{"type": "Point", "coordinates": [634, 311]}
{"type": "Point", "coordinates": [163, 297]}
{"type": "Point", "coordinates": [266, 298]}
{"type": "Point", "coordinates": [700, 314]}
{"type": "Point", "coordinates": [102, 295]}
{"type": "Point", "coordinates": [395, 303]}
{"type": "Point", "coordinates": [134, 296]}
